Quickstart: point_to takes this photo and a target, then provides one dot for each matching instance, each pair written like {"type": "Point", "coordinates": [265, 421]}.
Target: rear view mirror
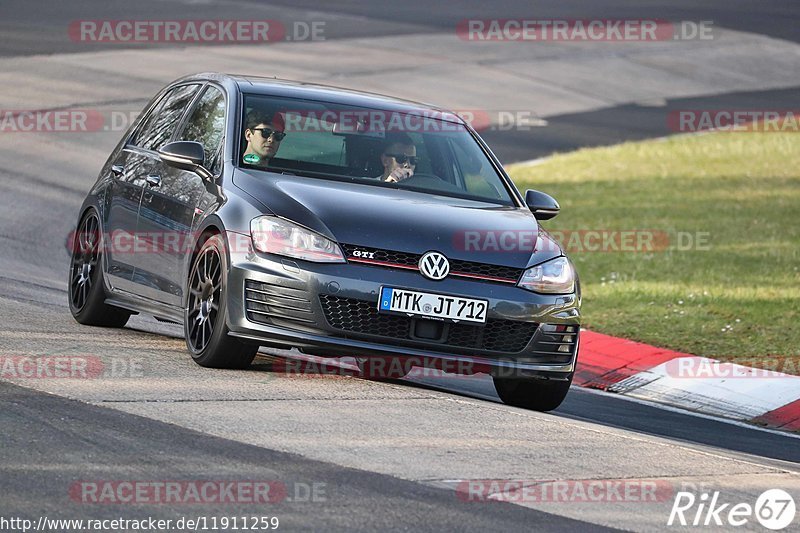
{"type": "Point", "coordinates": [542, 205]}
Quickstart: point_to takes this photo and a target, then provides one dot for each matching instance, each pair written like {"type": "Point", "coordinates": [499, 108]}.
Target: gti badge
{"type": "Point", "coordinates": [434, 265]}
{"type": "Point", "coordinates": [363, 254]}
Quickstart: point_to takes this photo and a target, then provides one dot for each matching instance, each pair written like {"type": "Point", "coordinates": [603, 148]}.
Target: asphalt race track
{"type": "Point", "coordinates": [351, 454]}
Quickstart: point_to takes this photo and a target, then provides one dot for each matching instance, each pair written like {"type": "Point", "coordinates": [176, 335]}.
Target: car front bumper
{"type": "Point", "coordinates": [331, 310]}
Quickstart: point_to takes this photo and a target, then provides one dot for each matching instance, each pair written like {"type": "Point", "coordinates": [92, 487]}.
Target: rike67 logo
{"type": "Point", "coordinates": [774, 509]}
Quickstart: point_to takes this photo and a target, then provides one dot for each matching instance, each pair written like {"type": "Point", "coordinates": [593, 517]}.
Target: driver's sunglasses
{"type": "Point", "coordinates": [402, 159]}
{"type": "Point", "coordinates": [269, 132]}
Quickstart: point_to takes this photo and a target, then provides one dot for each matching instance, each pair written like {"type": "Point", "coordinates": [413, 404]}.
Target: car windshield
{"type": "Point", "coordinates": [421, 151]}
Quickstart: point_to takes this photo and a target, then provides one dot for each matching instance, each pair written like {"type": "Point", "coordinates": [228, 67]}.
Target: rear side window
{"type": "Point", "coordinates": [206, 124]}
{"type": "Point", "coordinates": [160, 124]}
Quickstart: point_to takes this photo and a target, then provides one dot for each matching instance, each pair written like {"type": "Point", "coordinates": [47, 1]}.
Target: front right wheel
{"type": "Point", "coordinates": [204, 322]}
{"type": "Point", "coordinates": [531, 393]}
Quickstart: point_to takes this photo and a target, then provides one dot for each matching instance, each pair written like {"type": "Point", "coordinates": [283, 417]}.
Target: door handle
{"type": "Point", "coordinates": [153, 181]}
{"type": "Point", "coordinates": [118, 170]}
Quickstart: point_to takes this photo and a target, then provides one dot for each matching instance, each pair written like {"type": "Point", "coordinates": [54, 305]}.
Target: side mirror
{"type": "Point", "coordinates": [185, 155]}
{"type": "Point", "coordinates": [543, 206]}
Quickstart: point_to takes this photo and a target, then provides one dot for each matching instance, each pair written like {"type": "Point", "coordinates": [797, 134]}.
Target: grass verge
{"type": "Point", "coordinates": [722, 275]}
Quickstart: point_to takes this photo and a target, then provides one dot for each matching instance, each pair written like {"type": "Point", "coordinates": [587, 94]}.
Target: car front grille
{"type": "Point", "coordinates": [464, 269]}
{"type": "Point", "coordinates": [361, 317]}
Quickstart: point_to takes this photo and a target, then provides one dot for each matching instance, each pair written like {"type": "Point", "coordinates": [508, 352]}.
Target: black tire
{"type": "Point", "coordinates": [535, 394]}
{"type": "Point", "coordinates": [85, 287]}
{"type": "Point", "coordinates": [204, 320]}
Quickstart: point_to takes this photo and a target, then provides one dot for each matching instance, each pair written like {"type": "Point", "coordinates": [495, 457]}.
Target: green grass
{"type": "Point", "coordinates": [739, 297]}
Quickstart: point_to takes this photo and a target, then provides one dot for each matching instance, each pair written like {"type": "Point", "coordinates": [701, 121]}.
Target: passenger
{"type": "Point", "coordinates": [399, 158]}
{"type": "Point", "coordinates": [264, 135]}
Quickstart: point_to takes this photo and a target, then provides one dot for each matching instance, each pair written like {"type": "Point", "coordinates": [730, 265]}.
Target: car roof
{"type": "Point", "coordinates": [327, 93]}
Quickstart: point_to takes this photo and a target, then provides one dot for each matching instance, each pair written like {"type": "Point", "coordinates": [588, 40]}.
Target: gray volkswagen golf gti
{"type": "Point", "coordinates": [260, 212]}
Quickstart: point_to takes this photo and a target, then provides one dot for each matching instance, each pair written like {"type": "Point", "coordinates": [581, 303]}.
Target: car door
{"type": "Point", "coordinates": [168, 211]}
{"type": "Point", "coordinates": [123, 198]}
{"type": "Point", "coordinates": [144, 166]}
{"type": "Point", "coordinates": [122, 208]}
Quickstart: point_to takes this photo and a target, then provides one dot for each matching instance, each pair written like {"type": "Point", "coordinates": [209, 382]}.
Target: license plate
{"type": "Point", "coordinates": [436, 306]}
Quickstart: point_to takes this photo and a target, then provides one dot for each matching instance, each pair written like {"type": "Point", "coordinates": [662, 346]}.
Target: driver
{"type": "Point", "coordinates": [399, 158]}
{"type": "Point", "coordinates": [263, 135]}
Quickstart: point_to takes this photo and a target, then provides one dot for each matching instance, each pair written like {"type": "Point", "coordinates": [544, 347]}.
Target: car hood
{"type": "Point", "coordinates": [403, 220]}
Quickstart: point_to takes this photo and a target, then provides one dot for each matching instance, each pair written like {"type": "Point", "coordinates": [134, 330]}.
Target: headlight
{"type": "Point", "coordinates": [556, 276]}
{"type": "Point", "coordinates": [274, 235]}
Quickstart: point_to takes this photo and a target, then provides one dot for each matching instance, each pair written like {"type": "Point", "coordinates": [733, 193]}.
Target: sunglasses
{"type": "Point", "coordinates": [269, 132]}
{"type": "Point", "coordinates": [402, 159]}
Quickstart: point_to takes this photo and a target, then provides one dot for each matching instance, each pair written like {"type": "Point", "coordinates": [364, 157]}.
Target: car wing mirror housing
{"type": "Point", "coordinates": [542, 205]}
{"type": "Point", "coordinates": [185, 155]}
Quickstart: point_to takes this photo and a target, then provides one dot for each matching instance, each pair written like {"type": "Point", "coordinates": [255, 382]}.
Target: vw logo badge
{"type": "Point", "coordinates": [434, 265]}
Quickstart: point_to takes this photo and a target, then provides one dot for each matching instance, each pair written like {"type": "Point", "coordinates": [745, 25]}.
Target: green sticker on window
{"type": "Point", "coordinates": [251, 159]}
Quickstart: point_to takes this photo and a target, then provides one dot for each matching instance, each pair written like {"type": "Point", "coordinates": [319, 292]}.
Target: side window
{"type": "Point", "coordinates": [161, 123]}
{"type": "Point", "coordinates": [206, 125]}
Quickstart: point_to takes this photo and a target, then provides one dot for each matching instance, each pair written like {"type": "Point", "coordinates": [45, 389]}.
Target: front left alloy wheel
{"type": "Point", "coordinates": [205, 327]}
